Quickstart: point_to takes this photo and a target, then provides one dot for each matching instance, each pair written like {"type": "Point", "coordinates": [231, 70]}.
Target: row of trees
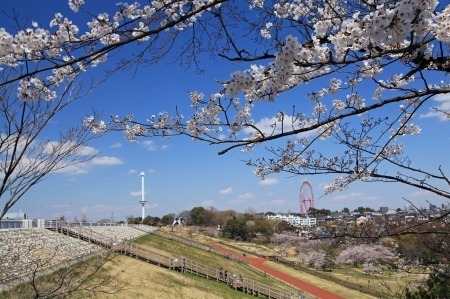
{"type": "Point", "coordinates": [248, 228]}
{"type": "Point", "coordinates": [152, 220]}
{"type": "Point", "coordinates": [232, 224]}
{"type": "Point", "coordinates": [321, 212]}
{"type": "Point", "coordinates": [407, 253]}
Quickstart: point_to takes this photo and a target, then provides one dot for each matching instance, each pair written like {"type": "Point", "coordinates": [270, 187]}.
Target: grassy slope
{"type": "Point", "coordinates": [388, 282]}
{"type": "Point", "coordinates": [321, 283]}
{"type": "Point", "coordinates": [174, 249]}
{"type": "Point", "coordinates": [143, 280]}
{"type": "Point", "coordinates": [260, 249]}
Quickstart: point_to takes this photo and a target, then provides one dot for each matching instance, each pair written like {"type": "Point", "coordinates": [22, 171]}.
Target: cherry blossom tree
{"type": "Point", "coordinates": [361, 73]}
{"type": "Point", "coordinates": [27, 156]}
{"type": "Point", "coordinates": [380, 64]}
{"type": "Point", "coordinates": [285, 239]}
{"type": "Point", "coordinates": [317, 253]}
{"type": "Point", "coordinates": [315, 259]}
{"type": "Point", "coordinates": [369, 254]}
{"type": "Point", "coordinates": [40, 76]}
{"type": "Point", "coordinates": [364, 71]}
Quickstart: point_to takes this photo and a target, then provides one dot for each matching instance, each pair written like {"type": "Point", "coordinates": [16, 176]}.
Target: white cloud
{"type": "Point", "coordinates": [150, 145]}
{"type": "Point", "coordinates": [351, 196]}
{"type": "Point", "coordinates": [208, 203]}
{"type": "Point", "coordinates": [247, 195]}
{"type": "Point", "coordinates": [226, 191]}
{"type": "Point", "coordinates": [132, 171]}
{"type": "Point", "coordinates": [278, 202]}
{"type": "Point", "coordinates": [88, 151]}
{"type": "Point", "coordinates": [271, 126]}
{"type": "Point", "coordinates": [355, 196]}
{"type": "Point", "coordinates": [80, 168]}
{"type": "Point", "coordinates": [242, 199]}
{"type": "Point", "coordinates": [443, 101]}
{"type": "Point", "coordinates": [268, 182]}
{"type": "Point", "coordinates": [86, 167]}
{"type": "Point", "coordinates": [136, 193]}
{"type": "Point", "coordinates": [116, 145]}
{"type": "Point", "coordinates": [106, 160]}
{"type": "Point", "coordinates": [150, 170]}
{"type": "Point", "coordinates": [53, 146]}
{"type": "Point", "coordinates": [265, 125]}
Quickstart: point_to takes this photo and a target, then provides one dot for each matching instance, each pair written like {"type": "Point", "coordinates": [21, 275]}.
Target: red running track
{"type": "Point", "coordinates": [258, 263]}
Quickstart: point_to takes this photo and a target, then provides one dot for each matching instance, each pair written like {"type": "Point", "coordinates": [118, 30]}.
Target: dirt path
{"type": "Point", "coordinates": [258, 263]}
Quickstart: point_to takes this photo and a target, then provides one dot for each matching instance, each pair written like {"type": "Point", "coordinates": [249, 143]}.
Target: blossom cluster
{"type": "Point", "coordinates": [266, 31]}
{"type": "Point", "coordinates": [130, 129]}
{"type": "Point", "coordinates": [385, 46]}
{"type": "Point", "coordinates": [33, 90]}
{"type": "Point", "coordinates": [70, 52]}
{"type": "Point", "coordinates": [443, 25]}
{"type": "Point", "coordinates": [97, 127]}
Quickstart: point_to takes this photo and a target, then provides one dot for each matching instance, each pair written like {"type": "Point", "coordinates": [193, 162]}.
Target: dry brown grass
{"type": "Point", "coordinates": [321, 283]}
{"type": "Point", "coordinates": [142, 280]}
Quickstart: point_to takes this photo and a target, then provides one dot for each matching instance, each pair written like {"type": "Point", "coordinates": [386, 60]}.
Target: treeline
{"type": "Point", "coordinates": [232, 224]}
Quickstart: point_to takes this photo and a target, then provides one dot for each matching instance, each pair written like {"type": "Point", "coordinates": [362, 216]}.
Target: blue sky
{"type": "Point", "coordinates": [181, 174]}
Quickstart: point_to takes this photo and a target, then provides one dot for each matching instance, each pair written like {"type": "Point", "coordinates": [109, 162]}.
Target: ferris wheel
{"type": "Point", "coordinates": [306, 197]}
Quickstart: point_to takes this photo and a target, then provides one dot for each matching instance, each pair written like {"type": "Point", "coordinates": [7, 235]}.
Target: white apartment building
{"type": "Point", "coordinates": [294, 220]}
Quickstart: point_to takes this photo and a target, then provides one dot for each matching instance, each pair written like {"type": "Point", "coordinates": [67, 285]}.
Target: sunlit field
{"type": "Point", "coordinates": [390, 281]}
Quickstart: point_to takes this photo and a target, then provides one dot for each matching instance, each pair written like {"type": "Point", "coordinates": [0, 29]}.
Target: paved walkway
{"type": "Point", "coordinates": [258, 263]}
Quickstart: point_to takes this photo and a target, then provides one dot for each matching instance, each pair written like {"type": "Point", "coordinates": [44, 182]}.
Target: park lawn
{"type": "Point", "coordinates": [232, 248]}
{"type": "Point", "coordinates": [174, 249]}
{"type": "Point", "coordinates": [201, 238]}
{"type": "Point", "coordinates": [395, 281]}
{"type": "Point", "coordinates": [327, 285]}
{"type": "Point", "coordinates": [187, 233]}
{"type": "Point", "coordinates": [143, 280]}
{"type": "Point", "coordinates": [319, 282]}
{"type": "Point", "coordinates": [391, 284]}
{"type": "Point", "coordinates": [255, 248]}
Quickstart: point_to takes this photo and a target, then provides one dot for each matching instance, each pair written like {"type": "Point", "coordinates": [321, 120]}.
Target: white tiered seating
{"type": "Point", "coordinates": [23, 251]}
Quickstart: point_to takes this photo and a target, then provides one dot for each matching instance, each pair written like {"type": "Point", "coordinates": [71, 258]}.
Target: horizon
{"type": "Point", "coordinates": [407, 207]}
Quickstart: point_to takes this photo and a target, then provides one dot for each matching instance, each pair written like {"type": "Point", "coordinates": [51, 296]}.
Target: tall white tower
{"type": "Point", "coordinates": [142, 201]}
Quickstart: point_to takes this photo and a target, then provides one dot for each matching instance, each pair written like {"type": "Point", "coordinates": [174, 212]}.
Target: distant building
{"type": "Point", "coordinates": [15, 216]}
{"type": "Point", "coordinates": [20, 220]}
{"type": "Point", "coordinates": [374, 216]}
{"type": "Point", "coordinates": [384, 209]}
{"type": "Point", "coordinates": [412, 213]}
{"type": "Point", "coordinates": [409, 207]}
{"type": "Point", "coordinates": [391, 213]}
{"type": "Point", "coordinates": [294, 220]}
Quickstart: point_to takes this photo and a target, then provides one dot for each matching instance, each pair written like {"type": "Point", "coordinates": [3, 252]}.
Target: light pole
{"type": "Point", "coordinates": [142, 201]}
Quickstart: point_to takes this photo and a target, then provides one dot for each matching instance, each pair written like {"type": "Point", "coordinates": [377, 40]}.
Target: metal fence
{"type": "Point", "coordinates": [185, 265]}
